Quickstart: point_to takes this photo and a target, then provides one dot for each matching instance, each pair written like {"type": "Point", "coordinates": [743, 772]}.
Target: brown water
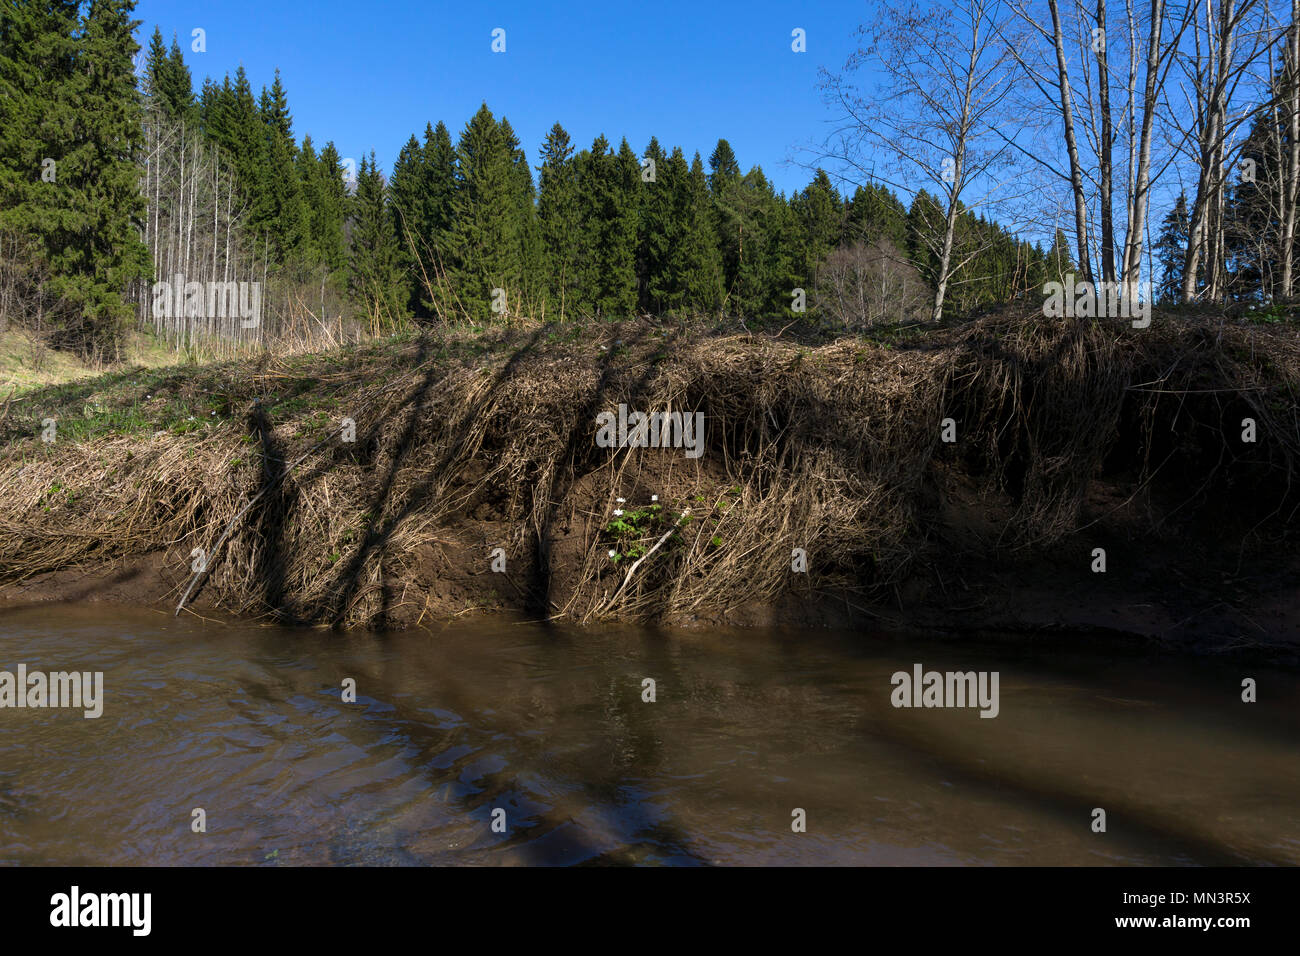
{"type": "Point", "coordinates": [550, 726]}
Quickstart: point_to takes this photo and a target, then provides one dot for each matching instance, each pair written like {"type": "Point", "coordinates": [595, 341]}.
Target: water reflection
{"type": "Point", "coordinates": [549, 725]}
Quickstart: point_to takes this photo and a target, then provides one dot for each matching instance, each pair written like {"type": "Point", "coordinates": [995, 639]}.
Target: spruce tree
{"type": "Point", "coordinates": [246, 142]}
{"type": "Point", "coordinates": [925, 224]}
{"type": "Point", "coordinates": [819, 212]}
{"type": "Point", "coordinates": [766, 274]}
{"type": "Point", "coordinates": [329, 208]}
{"type": "Point", "coordinates": [874, 214]}
{"type": "Point", "coordinates": [1170, 247]}
{"type": "Point", "coordinates": [731, 212]}
{"type": "Point", "coordinates": [623, 287]}
{"type": "Point", "coordinates": [440, 186]}
{"type": "Point", "coordinates": [375, 273]}
{"type": "Point", "coordinates": [176, 87]}
{"type": "Point", "coordinates": [217, 109]}
{"type": "Point", "coordinates": [1060, 262]}
{"type": "Point", "coordinates": [699, 262]}
{"type": "Point", "coordinates": [607, 213]}
{"type": "Point", "coordinates": [155, 66]}
{"type": "Point", "coordinates": [279, 209]}
{"type": "Point", "coordinates": [557, 215]}
{"type": "Point", "coordinates": [724, 169]}
{"type": "Point", "coordinates": [69, 95]}
{"type": "Point", "coordinates": [484, 240]}
{"type": "Point", "coordinates": [690, 279]}
{"type": "Point", "coordinates": [307, 172]}
{"type": "Point", "coordinates": [654, 233]}
{"type": "Point", "coordinates": [38, 51]}
{"type": "Point", "coordinates": [524, 196]}
{"type": "Point", "coordinates": [406, 206]}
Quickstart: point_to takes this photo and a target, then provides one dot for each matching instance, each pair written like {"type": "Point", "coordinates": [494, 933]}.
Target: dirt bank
{"type": "Point", "coordinates": [824, 489]}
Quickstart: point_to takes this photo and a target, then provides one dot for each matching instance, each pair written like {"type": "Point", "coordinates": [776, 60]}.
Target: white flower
{"type": "Point", "coordinates": [622, 500]}
{"type": "Point", "coordinates": [613, 553]}
{"type": "Point", "coordinates": [617, 512]}
{"type": "Point", "coordinates": [654, 497]}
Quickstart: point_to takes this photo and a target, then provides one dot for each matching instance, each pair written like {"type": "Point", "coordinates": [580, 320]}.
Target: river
{"type": "Point", "coordinates": [547, 731]}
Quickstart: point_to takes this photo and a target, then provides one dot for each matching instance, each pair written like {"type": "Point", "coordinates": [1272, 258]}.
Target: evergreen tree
{"type": "Point", "coordinates": [766, 273]}
{"type": "Point", "coordinates": [243, 135]}
{"type": "Point", "coordinates": [925, 223]}
{"type": "Point", "coordinates": [607, 184]}
{"type": "Point", "coordinates": [274, 108]}
{"type": "Point", "coordinates": [329, 207]}
{"type": "Point", "coordinates": [439, 189]}
{"type": "Point", "coordinates": [557, 215]}
{"type": "Point", "coordinates": [217, 109]}
{"type": "Point", "coordinates": [819, 212]}
{"type": "Point", "coordinates": [524, 199]}
{"type": "Point", "coordinates": [37, 55]}
{"type": "Point", "coordinates": [375, 276]}
{"type": "Point", "coordinates": [279, 208]}
{"type": "Point", "coordinates": [176, 86]}
{"type": "Point", "coordinates": [484, 240]}
{"type": "Point", "coordinates": [690, 279]}
{"type": "Point", "coordinates": [406, 205]}
{"type": "Point", "coordinates": [654, 231]}
{"type": "Point", "coordinates": [874, 214]}
{"type": "Point", "coordinates": [700, 263]}
{"type": "Point", "coordinates": [68, 95]}
{"type": "Point", "coordinates": [730, 211]}
{"type": "Point", "coordinates": [307, 172]}
{"type": "Point", "coordinates": [1170, 247]}
{"type": "Point", "coordinates": [1060, 263]}
{"type": "Point", "coordinates": [724, 169]}
{"type": "Point", "coordinates": [155, 66]}
{"type": "Point", "coordinates": [1252, 223]}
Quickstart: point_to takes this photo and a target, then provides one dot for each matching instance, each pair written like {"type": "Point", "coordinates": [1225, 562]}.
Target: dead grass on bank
{"type": "Point", "coordinates": [826, 448]}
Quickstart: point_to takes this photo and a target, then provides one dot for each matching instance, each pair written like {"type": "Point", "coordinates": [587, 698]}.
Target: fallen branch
{"type": "Point", "coordinates": [632, 570]}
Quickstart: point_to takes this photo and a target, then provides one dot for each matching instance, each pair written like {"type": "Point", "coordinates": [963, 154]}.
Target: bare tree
{"type": "Point", "coordinates": [1291, 174]}
{"type": "Point", "coordinates": [942, 89]}
{"type": "Point", "coordinates": [865, 284]}
{"type": "Point", "coordinates": [1053, 81]}
{"type": "Point", "coordinates": [1228, 38]}
{"type": "Point", "coordinates": [1159, 59]}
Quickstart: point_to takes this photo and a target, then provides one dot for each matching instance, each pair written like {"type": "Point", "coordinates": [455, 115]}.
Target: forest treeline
{"type": "Point", "coordinates": [1079, 121]}
{"type": "Point", "coordinates": [113, 179]}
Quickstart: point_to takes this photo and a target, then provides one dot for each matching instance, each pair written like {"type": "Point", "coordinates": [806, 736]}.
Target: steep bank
{"type": "Point", "coordinates": [1067, 437]}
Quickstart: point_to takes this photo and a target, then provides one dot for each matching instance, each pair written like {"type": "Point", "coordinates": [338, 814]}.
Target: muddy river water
{"type": "Point", "coordinates": [494, 742]}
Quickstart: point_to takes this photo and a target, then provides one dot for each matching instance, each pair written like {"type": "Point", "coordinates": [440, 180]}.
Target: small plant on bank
{"type": "Point", "coordinates": [1274, 314]}
{"type": "Point", "coordinates": [633, 532]}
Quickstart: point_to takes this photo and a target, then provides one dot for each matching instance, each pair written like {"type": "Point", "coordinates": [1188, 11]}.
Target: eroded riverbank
{"type": "Point", "coordinates": [1007, 474]}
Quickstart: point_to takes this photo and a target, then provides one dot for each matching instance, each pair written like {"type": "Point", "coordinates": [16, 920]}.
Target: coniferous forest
{"type": "Point", "coordinates": [115, 179]}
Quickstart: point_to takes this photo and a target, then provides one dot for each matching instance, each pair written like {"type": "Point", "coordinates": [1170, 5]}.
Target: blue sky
{"type": "Point", "coordinates": [368, 75]}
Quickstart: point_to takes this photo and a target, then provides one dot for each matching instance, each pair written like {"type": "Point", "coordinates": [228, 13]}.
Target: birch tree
{"type": "Point", "coordinates": [932, 117]}
{"type": "Point", "coordinates": [1291, 167]}
{"type": "Point", "coordinates": [1228, 38]}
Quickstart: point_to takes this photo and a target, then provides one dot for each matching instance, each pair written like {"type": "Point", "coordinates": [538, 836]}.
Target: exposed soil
{"type": "Point", "coordinates": [1190, 594]}
{"type": "Point", "coordinates": [1064, 445]}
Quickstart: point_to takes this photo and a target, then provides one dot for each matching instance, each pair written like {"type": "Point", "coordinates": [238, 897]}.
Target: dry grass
{"type": "Point", "coordinates": [827, 448]}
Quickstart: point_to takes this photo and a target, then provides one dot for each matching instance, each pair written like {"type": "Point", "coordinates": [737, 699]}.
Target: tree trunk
{"type": "Point", "coordinates": [1291, 171]}
{"type": "Point", "coordinates": [1139, 201]}
{"type": "Point", "coordinates": [1105, 161]}
{"type": "Point", "coordinates": [1076, 170]}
